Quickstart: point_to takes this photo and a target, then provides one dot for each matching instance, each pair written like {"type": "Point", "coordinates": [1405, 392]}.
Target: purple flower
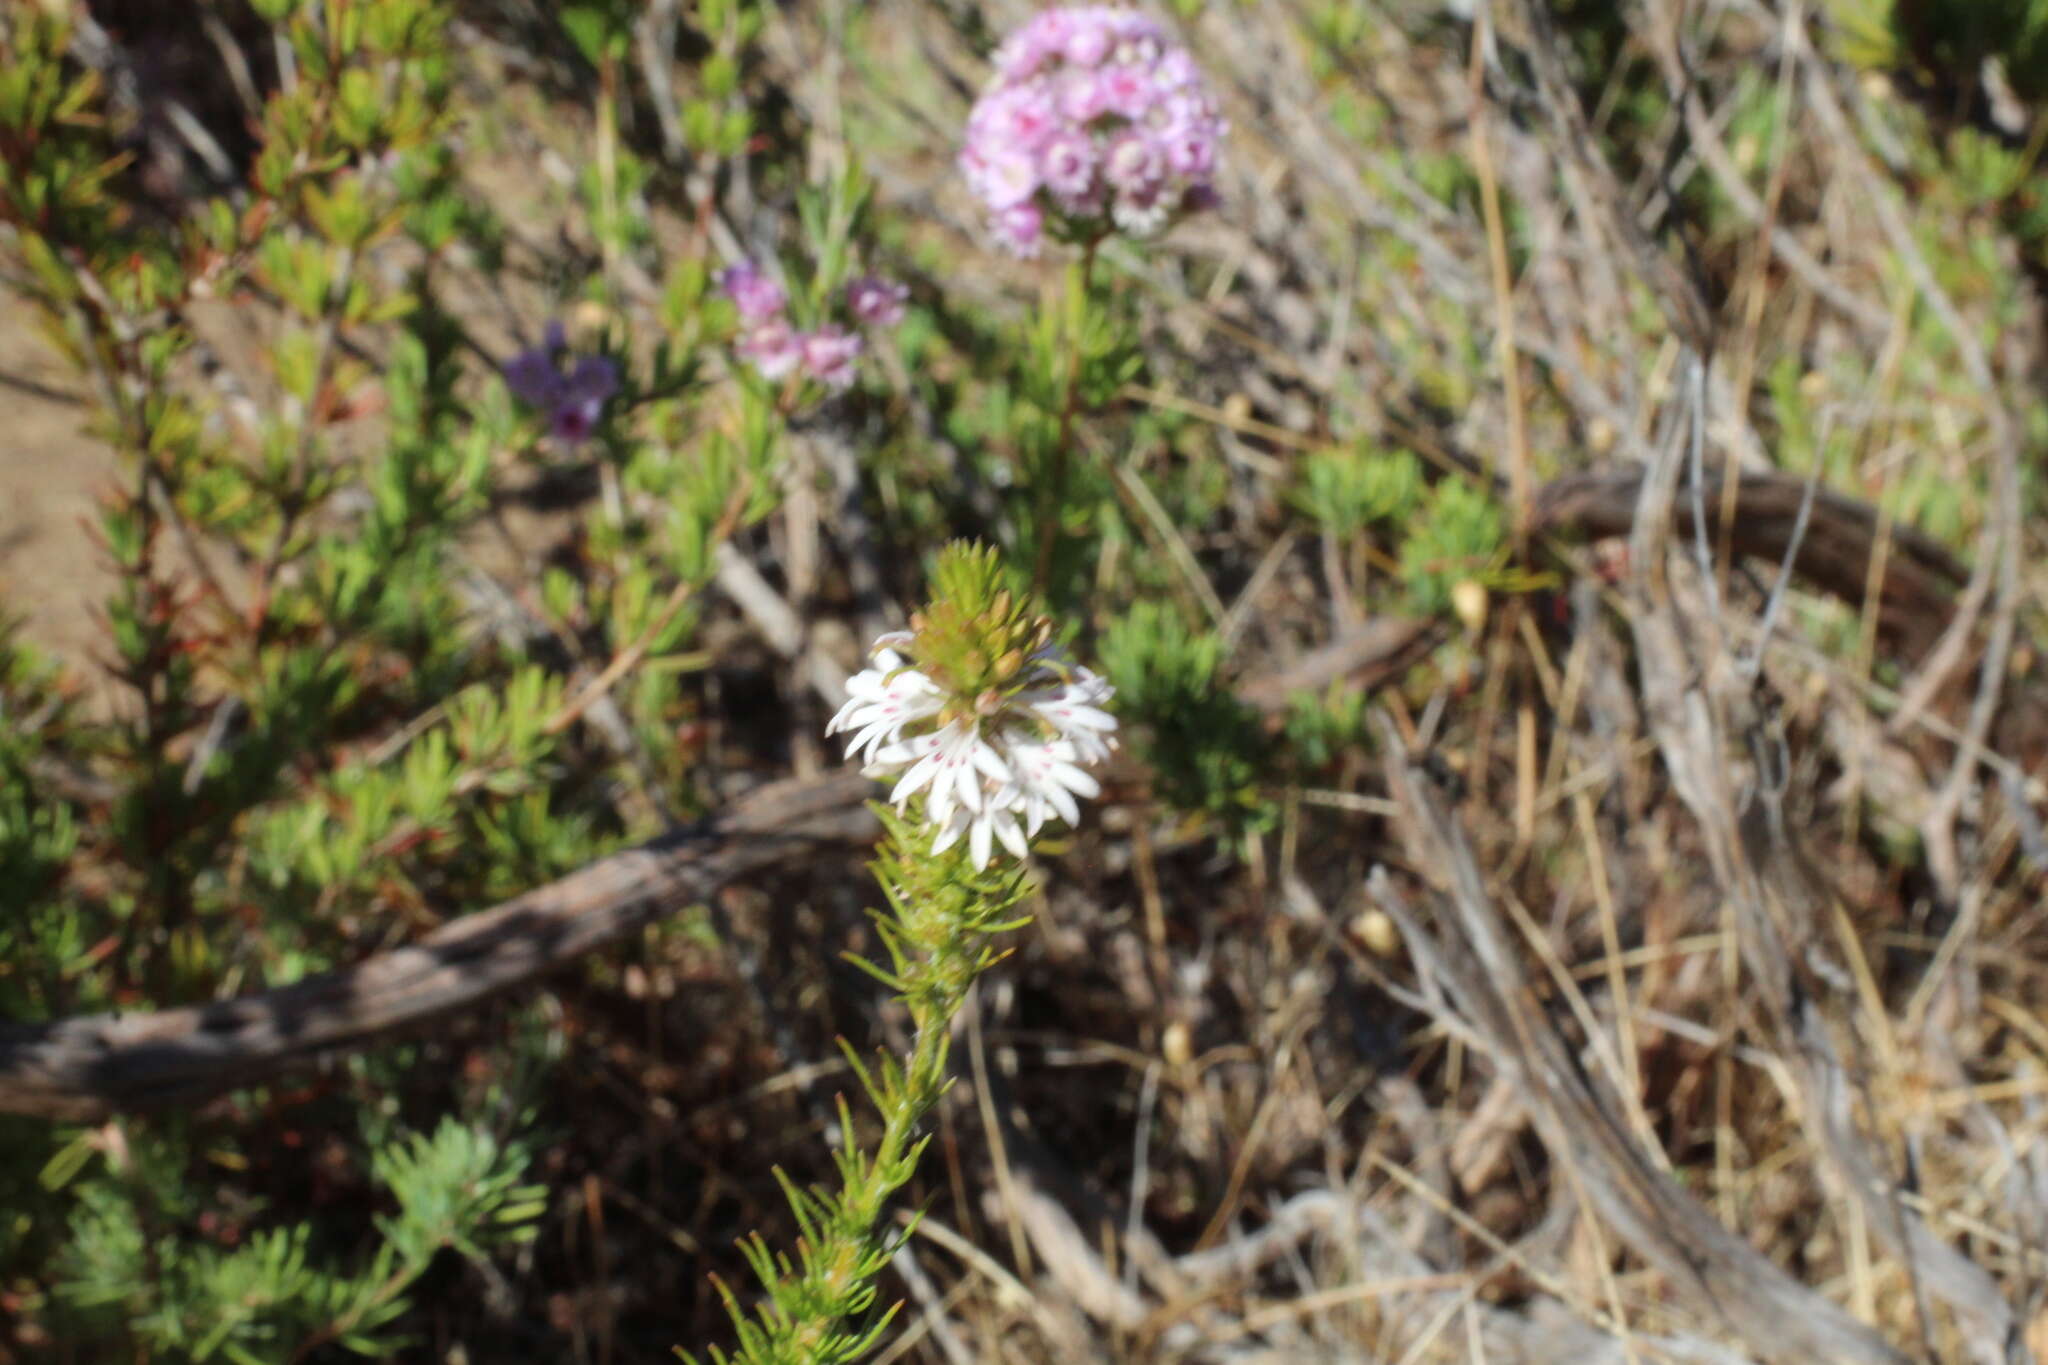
{"type": "Point", "coordinates": [1020, 229]}
{"type": "Point", "coordinates": [1191, 155]}
{"type": "Point", "coordinates": [1134, 163]}
{"type": "Point", "coordinates": [774, 348]}
{"type": "Point", "coordinates": [877, 302]}
{"type": "Point", "coordinates": [1084, 97]}
{"type": "Point", "coordinates": [1142, 212]}
{"type": "Point", "coordinates": [1095, 117]}
{"type": "Point", "coordinates": [533, 375]}
{"type": "Point", "coordinates": [1003, 178]}
{"type": "Point", "coordinates": [829, 355]}
{"type": "Point", "coordinates": [1128, 90]}
{"type": "Point", "coordinates": [582, 398]}
{"type": "Point", "coordinates": [574, 401]}
{"type": "Point", "coordinates": [1066, 164]}
{"type": "Point", "coordinates": [1087, 44]}
{"type": "Point", "coordinates": [757, 297]}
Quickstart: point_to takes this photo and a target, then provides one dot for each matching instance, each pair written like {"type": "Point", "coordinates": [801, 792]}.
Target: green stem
{"type": "Point", "coordinates": [1052, 494]}
{"type": "Point", "coordinates": [939, 944]}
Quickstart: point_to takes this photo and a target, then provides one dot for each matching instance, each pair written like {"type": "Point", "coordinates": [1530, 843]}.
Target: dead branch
{"type": "Point", "coordinates": [1921, 577]}
{"type": "Point", "coordinates": [85, 1068]}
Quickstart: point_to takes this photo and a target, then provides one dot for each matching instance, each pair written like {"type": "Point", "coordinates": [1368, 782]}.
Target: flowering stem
{"type": "Point", "coordinates": [1052, 496]}
{"type": "Point", "coordinates": [944, 916]}
{"type": "Point", "coordinates": [986, 727]}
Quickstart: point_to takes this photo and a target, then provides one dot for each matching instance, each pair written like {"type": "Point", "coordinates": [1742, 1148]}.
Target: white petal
{"type": "Point", "coordinates": [949, 833]}
{"type": "Point", "coordinates": [990, 762]}
{"type": "Point", "coordinates": [914, 780]}
{"type": "Point", "coordinates": [964, 780]}
{"type": "Point", "coordinates": [873, 737]}
{"type": "Point", "coordinates": [978, 843]}
{"type": "Point", "coordinates": [1075, 780]}
{"type": "Point", "coordinates": [904, 751]}
{"type": "Point", "coordinates": [870, 684]}
{"type": "Point", "coordinates": [1087, 717]}
{"type": "Point", "coordinates": [940, 805]}
{"type": "Point", "coordinates": [1007, 831]}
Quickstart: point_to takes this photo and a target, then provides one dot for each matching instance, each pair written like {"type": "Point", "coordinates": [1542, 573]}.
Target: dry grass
{"type": "Point", "coordinates": [1669, 985]}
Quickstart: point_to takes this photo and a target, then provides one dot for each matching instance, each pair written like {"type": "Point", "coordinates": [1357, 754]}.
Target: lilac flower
{"type": "Point", "coordinates": [1134, 164]}
{"type": "Point", "coordinates": [1066, 165]}
{"type": "Point", "coordinates": [829, 355]}
{"type": "Point", "coordinates": [1087, 44]}
{"type": "Point", "coordinates": [875, 301]}
{"type": "Point", "coordinates": [1020, 229]}
{"type": "Point", "coordinates": [758, 298]}
{"type": "Point", "coordinates": [1095, 119]}
{"type": "Point", "coordinates": [774, 348]}
{"type": "Point", "coordinates": [574, 401]}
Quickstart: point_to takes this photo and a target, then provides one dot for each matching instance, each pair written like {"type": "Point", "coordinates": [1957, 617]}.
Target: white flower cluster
{"type": "Point", "coordinates": [995, 776]}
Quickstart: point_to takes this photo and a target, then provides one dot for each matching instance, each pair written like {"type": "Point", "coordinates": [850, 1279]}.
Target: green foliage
{"type": "Point", "coordinates": [1458, 537]}
{"type": "Point", "coordinates": [134, 1258]}
{"type": "Point", "coordinates": [1348, 489]}
{"type": "Point", "coordinates": [1207, 747]}
{"type": "Point", "coordinates": [1949, 39]}
{"type": "Point", "coordinates": [1320, 729]}
{"type": "Point", "coordinates": [324, 729]}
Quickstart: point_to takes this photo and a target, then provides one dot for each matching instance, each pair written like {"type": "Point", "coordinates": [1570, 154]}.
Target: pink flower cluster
{"type": "Point", "coordinates": [828, 353]}
{"type": "Point", "coordinates": [1095, 118]}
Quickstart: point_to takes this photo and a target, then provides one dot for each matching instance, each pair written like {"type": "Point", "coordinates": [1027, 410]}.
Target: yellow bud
{"type": "Point", "coordinates": [1601, 435]}
{"type": "Point", "coordinates": [1468, 599]}
{"type": "Point", "coordinates": [1377, 932]}
{"type": "Point", "coordinates": [1177, 1045]}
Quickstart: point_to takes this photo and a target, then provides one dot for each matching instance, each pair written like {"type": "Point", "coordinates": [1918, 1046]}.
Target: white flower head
{"type": "Point", "coordinates": [993, 763]}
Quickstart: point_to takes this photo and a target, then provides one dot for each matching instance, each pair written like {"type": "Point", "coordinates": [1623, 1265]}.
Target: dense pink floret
{"type": "Point", "coordinates": [1095, 118]}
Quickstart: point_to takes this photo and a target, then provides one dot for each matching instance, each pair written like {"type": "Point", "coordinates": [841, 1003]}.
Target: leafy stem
{"type": "Point", "coordinates": [1052, 493]}
{"type": "Point", "coordinates": [943, 917]}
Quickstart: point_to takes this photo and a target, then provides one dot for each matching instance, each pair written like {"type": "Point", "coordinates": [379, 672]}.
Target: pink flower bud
{"type": "Point", "coordinates": [829, 356]}
{"type": "Point", "coordinates": [876, 302]}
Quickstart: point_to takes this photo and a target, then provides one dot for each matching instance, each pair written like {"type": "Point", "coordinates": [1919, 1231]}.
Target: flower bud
{"type": "Point", "coordinates": [1468, 600]}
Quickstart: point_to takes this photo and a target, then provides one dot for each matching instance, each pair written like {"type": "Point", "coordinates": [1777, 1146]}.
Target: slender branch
{"type": "Point", "coordinates": [1052, 496]}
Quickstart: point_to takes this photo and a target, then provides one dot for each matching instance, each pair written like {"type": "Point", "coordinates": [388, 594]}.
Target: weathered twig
{"type": "Point", "coordinates": [1921, 578]}
{"type": "Point", "coordinates": [85, 1068]}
